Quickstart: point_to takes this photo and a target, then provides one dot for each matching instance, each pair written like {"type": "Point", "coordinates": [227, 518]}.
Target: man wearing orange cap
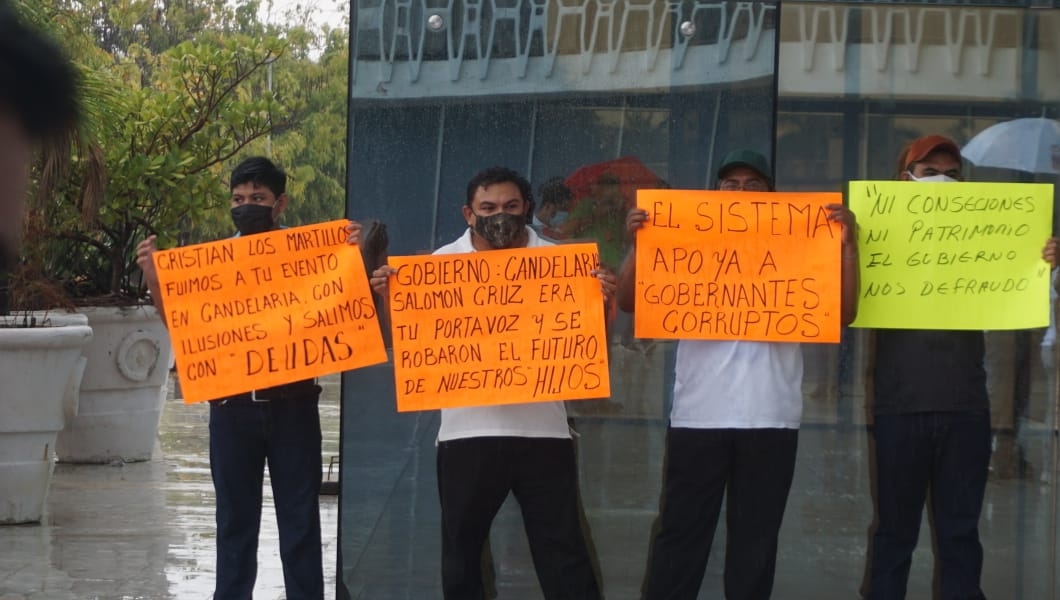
{"type": "Point", "coordinates": [932, 431]}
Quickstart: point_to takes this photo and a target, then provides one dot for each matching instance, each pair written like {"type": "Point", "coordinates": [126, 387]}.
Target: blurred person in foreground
{"type": "Point", "coordinates": [38, 103]}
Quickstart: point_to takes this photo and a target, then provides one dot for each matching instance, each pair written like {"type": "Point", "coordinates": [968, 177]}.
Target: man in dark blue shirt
{"type": "Point", "coordinates": [279, 426]}
{"type": "Point", "coordinates": [931, 419]}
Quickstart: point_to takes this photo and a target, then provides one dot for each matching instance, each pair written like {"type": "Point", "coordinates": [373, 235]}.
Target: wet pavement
{"type": "Point", "coordinates": [391, 520]}
{"type": "Point", "coordinates": [146, 530]}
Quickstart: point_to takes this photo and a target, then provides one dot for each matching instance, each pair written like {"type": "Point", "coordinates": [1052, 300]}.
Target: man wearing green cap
{"type": "Point", "coordinates": [733, 431]}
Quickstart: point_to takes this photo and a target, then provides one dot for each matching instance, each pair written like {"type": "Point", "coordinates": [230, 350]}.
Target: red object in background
{"type": "Point", "coordinates": [630, 172]}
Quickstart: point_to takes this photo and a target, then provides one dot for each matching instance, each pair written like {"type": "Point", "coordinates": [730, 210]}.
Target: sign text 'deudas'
{"type": "Point", "coordinates": [248, 313]}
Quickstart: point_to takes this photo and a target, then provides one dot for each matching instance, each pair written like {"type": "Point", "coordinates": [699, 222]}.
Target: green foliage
{"type": "Point", "coordinates": [312, 145]}
{"type": "Point", "coordinates": [163, 155]}
{"type": "Point", "coordinates": [159, 25]}
{"type": "Point", "coordinates": [176, 92]}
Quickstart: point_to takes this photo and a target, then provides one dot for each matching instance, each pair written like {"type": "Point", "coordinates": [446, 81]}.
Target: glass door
{"type": "Point", "coordinates": [590, 100]}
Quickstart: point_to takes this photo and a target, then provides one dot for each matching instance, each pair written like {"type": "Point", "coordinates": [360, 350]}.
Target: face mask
{"type": "Point", "coordinates": [252, 218]}
{"type": "Point", "coordinates": [940, 178]}
{"type": "Point", "coordinates": [560, 218]}
{"type": "Point", "coordinates": [499, 229]}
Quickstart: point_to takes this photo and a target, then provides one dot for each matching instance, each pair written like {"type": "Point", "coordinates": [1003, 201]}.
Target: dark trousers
{"type": "Point", "coordinates": [475, 475]}
{"type": "Point", "coordinates": [243, 437]}
{"type": "Point", "coordinates": [754, 468]}
{"type": "Point", "coordinates": [947, 453]}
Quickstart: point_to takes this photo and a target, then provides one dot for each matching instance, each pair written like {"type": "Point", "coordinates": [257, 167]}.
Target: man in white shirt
{"type": "Point", "coordinates": [733, 432]}
{"type": "Point", "coordinates": [525, 449]}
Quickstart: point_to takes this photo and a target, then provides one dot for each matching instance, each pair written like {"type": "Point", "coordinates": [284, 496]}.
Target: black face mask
{"type": "Point", "coordinates": [252, 218]}
{"type": "Point", "coordinates": [501, 229]}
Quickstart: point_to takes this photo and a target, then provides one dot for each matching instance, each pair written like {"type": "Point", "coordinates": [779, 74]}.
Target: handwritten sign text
{"type": "Point", "coordinates": [498, 327]}
{"type": "Point", "coordinates": [738, 265]}
{"type": "Point", "coordinates": [952, 255]}
{"type": "Point", "coordinates": [252, 312]}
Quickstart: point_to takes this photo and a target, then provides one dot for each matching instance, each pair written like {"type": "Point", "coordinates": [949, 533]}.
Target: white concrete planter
{"type": "Point", "coordinates": [40, 368]}
{"type": "Point", "coordinates": [123, 389]}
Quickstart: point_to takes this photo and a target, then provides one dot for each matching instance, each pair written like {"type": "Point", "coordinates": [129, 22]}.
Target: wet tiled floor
{"type": "Point", "coordinates": [394, 553]}
{"type": "Point", "coordinates": [390, 542]}
{"type": "Point", "coordinates": [146, 530]}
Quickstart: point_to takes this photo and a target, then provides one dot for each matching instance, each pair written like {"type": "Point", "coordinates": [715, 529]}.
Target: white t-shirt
{"type": "Point", "coordinates": [533, 419]}
{"type": "Point", "coordinates": [737, 385]}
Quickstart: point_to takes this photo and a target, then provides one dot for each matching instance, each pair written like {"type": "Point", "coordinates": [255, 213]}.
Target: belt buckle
{"type": "Point", "coordinates": [254, 397]}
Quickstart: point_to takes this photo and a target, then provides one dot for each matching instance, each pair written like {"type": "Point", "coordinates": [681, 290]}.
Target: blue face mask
{"type": "Point", "coordinates": [560, 218]}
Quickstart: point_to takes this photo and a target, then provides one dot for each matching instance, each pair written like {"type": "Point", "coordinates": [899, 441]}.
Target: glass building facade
{"type": "Point", "coordinates": [440, 89]}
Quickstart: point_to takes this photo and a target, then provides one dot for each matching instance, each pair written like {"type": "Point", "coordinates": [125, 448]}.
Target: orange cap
{"type": "Point", "coordinates": [920, 148]}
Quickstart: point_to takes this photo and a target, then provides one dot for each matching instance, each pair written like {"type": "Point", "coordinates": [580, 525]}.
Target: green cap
{"type": "Point", "coordinates": [746, 158]}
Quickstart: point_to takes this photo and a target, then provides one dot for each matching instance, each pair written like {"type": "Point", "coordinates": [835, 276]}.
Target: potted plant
{"type": "Point", "coordinates": [167, 120]}
{"type": "Point", "coordinates": [40, 365]}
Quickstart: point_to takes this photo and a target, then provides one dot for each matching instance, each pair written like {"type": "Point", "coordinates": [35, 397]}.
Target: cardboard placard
{"type": "Point", "coordinates": [498, 327]}
{"type": "Point", "coordinates": [252, 312]}
{"type": "Point", "coordinates": [952, 255]}
{"type": "Point", "coordinates": [716, 265]}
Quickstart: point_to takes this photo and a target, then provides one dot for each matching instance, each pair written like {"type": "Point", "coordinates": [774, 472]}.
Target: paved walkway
{"type": "Point", "coordinates": [146, 530]}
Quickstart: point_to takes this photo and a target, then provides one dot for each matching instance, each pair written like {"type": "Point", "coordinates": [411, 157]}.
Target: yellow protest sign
{"type": "Point", "coordinates": [248, 313]}
{"type": "Point", "coordinates": [738, 265]}
{"type": "Point", "coordinates": [498, 327]}
{"type": "Point", "coordinates": [952, 255]}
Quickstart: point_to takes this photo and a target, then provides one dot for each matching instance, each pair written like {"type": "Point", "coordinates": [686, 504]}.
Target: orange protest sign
{"type": "Point", "coordinates": [738, 265]}
{"type": "Point", "coordinates": [498, 327]}
{"type": "Point", "coordinates": [248, 313]}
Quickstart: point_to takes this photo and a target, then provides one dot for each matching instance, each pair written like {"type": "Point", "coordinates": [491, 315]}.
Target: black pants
{"type": "Point", "coordinates": [948, 454]}
{"type": "Point", "coordinates": [243, 436]}
{"type": "Point", "coordinates": [754, 467]}
{"type": "Point", "coordinates": [475, 475]}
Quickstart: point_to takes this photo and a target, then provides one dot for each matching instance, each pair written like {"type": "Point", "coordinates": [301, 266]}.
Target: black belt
{"type": "Point", "coordinates": [298, 390]}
